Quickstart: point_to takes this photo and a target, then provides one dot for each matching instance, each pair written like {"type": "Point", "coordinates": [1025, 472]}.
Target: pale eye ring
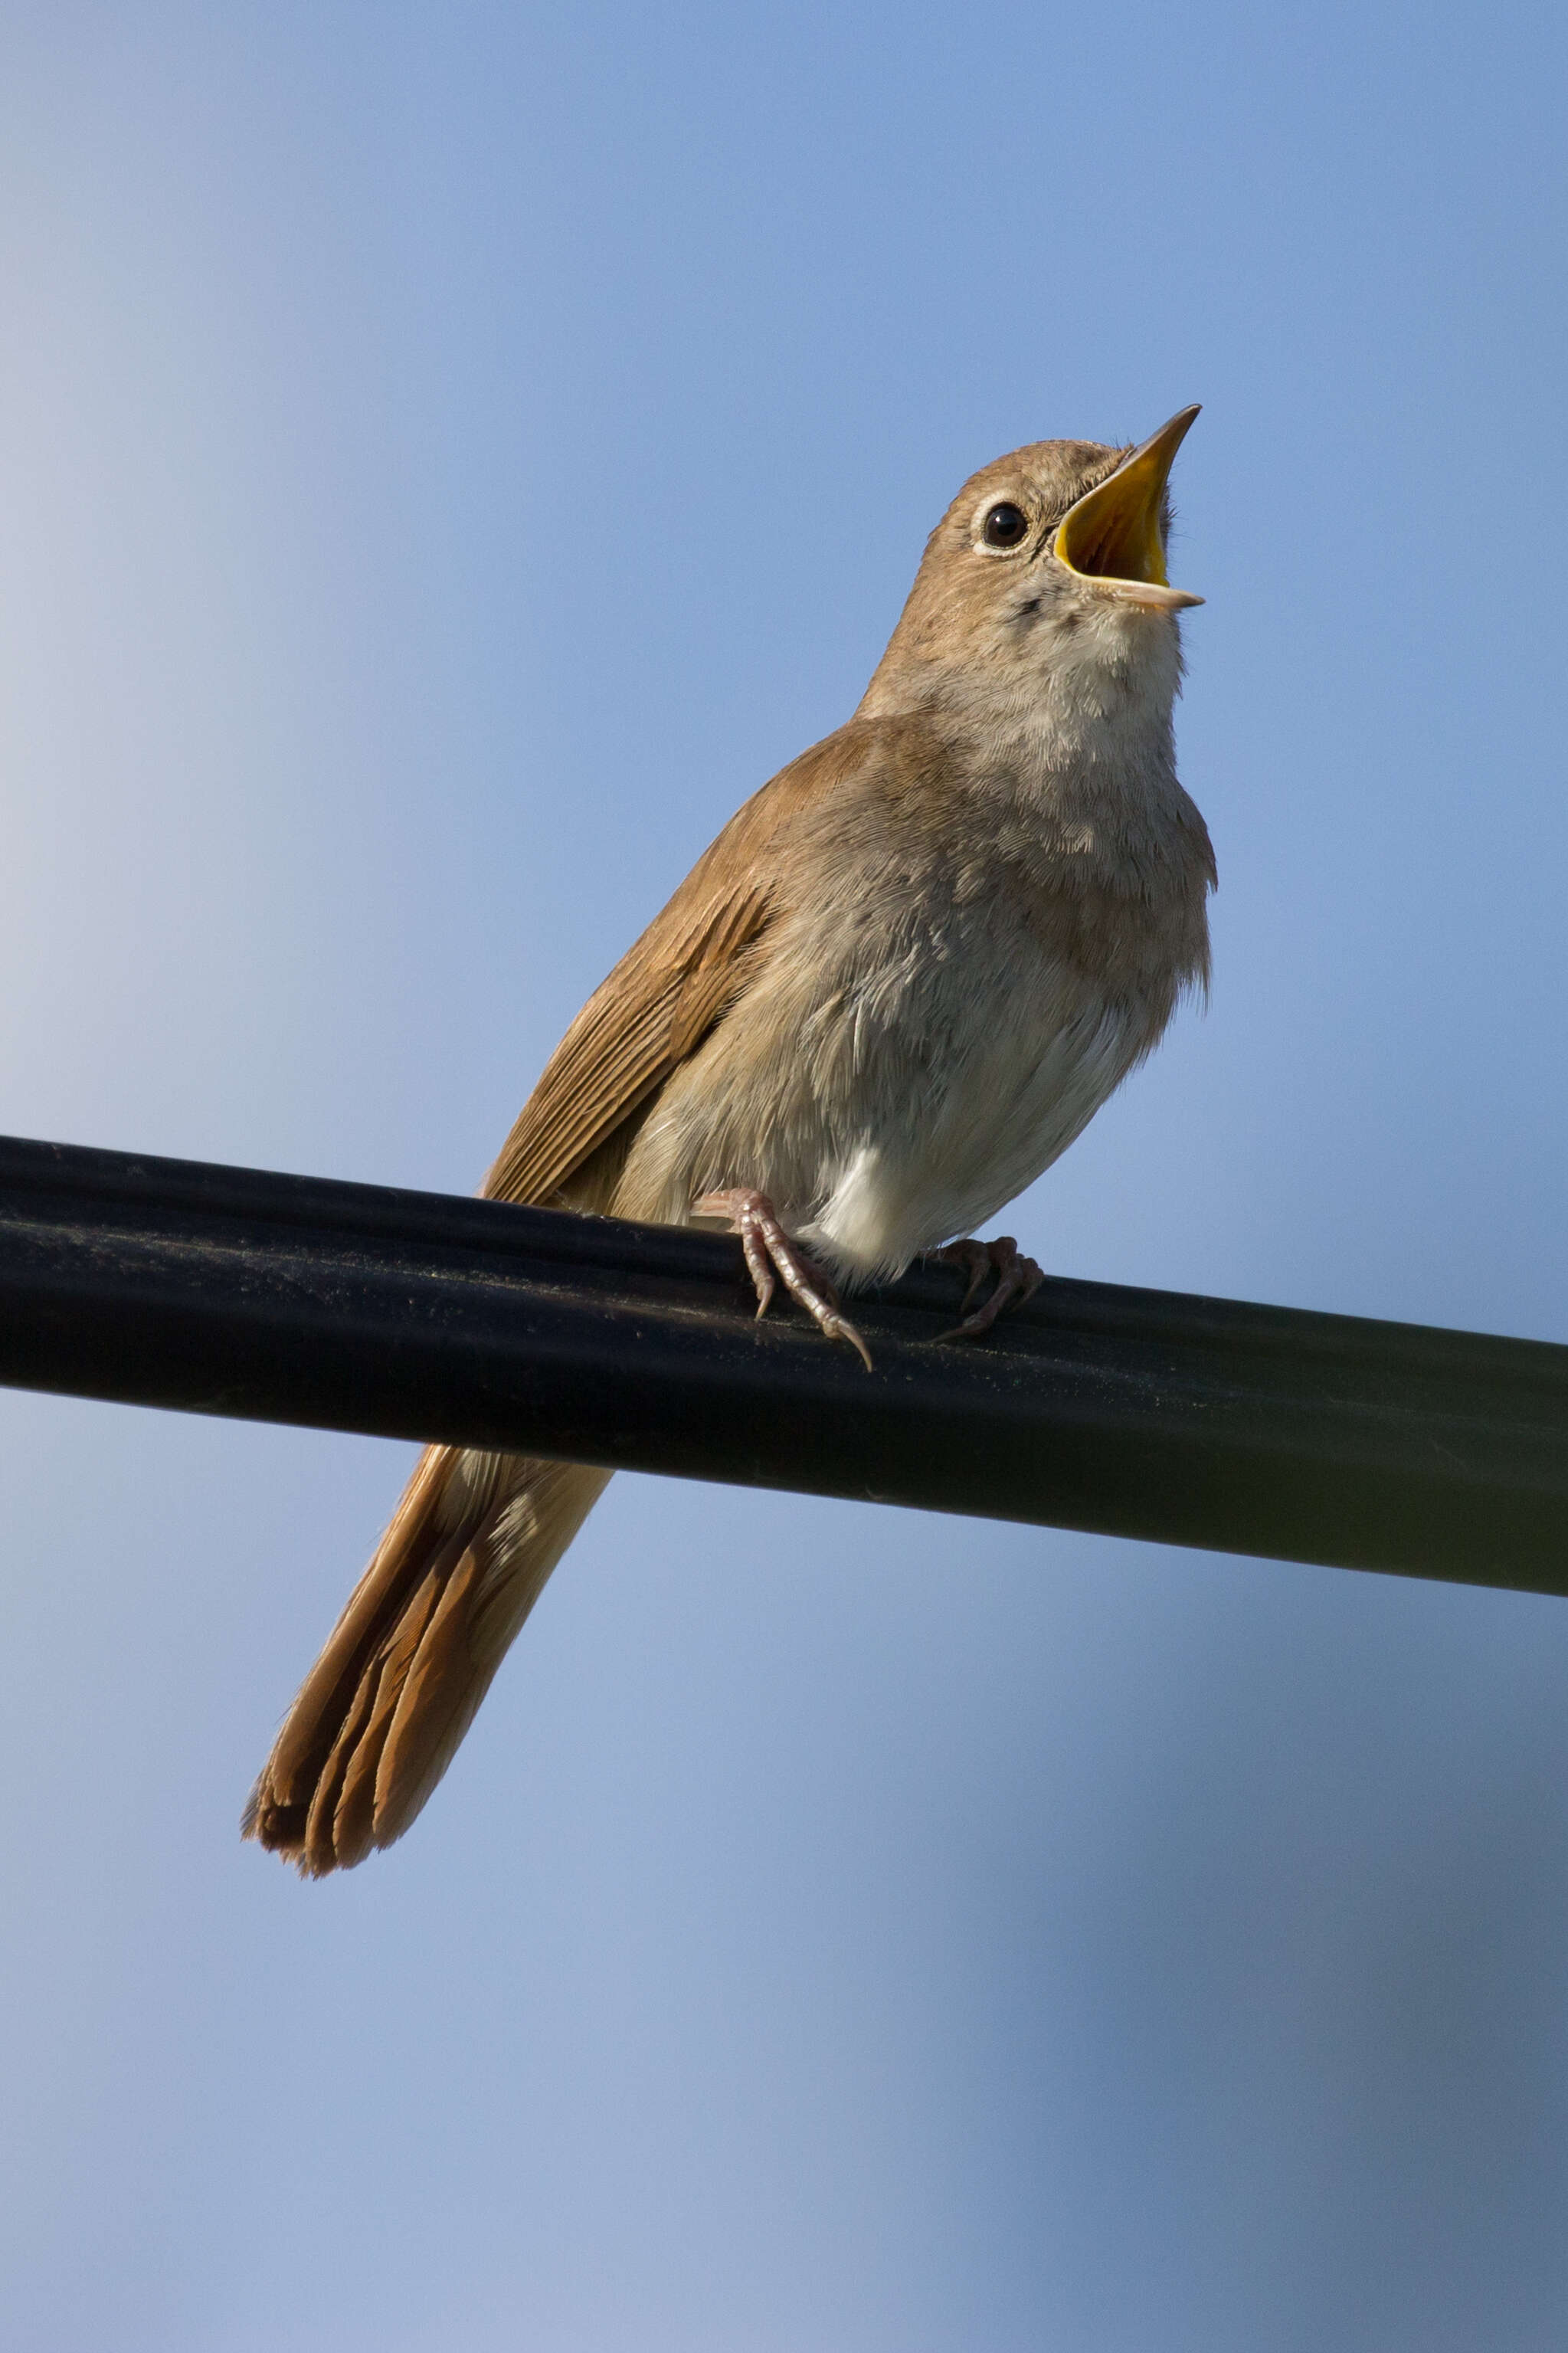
{"type": "Point", "coordinates": [1005, 525]}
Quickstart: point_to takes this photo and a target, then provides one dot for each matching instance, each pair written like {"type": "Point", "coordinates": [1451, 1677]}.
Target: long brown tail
{"type": "Point", "coordinates": [382, 1712]}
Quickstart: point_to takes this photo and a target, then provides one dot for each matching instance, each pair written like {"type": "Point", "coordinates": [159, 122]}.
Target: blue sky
{"type": "Point", "coordinates": [448, 458]}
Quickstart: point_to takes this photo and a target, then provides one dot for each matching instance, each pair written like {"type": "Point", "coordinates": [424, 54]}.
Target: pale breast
{"type": "Point", "coordinates": [989, 1124]}
{"type": "Point", "coordinates": [948, 994]}
{"type": "Point", "coordinates": [888, 1100]}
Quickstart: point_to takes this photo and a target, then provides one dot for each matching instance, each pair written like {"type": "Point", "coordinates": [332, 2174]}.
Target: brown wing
{"type": "Point", "coordinates": [386, 1703]}
{"type": "Point", "coordinates": [665, 995]}
{"type": "Point", "coordinates": [463, 1561]}
{"type": "Point", "coordinates": [659, 1002]}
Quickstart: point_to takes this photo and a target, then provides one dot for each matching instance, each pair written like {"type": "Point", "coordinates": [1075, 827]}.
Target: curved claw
{"type": "Point", "coordinates": [975, 1256]}
{"type": "Point", "coordinates": [1016, 1278]}
{"type": "Point", "coordinates": [768, 1248]}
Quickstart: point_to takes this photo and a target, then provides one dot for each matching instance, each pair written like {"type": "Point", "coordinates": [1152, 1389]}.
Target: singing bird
{"type": "Point", "coordinates": [903, 978]}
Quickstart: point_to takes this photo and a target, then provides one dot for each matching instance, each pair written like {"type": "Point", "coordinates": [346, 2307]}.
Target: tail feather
{"type": "Point", "coordinates": [342, 1820]}
{"type": "Point", "coordinates": [381, 1713]}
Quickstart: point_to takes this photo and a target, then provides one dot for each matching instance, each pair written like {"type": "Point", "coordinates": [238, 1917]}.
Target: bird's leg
{"type": "Point", "coordinates": [768, 1248]}
{"type": "Point", "coordinates": [1016, 1277]}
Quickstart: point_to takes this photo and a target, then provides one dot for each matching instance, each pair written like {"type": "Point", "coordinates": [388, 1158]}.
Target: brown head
{"type": "Point", "coordinates": [1051, 557]}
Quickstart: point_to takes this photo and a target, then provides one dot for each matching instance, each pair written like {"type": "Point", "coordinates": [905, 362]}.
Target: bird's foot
{"type": "Point", "coordinates": [769, 1249]}
{"type": "Point", "coordinates": [1016, 1277]}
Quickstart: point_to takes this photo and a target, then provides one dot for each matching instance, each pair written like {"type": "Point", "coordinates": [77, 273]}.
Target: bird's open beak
{"type": "Point", "coordinates": [1113, 535]}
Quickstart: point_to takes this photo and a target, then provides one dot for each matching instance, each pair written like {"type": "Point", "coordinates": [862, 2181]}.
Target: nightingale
{"type": "Point", "coordinates": [899, 983]}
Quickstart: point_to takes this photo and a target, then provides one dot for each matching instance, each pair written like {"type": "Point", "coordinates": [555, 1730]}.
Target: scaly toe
{"type": "Point", "coordinates": [972, 1256]}
{"type": "Point", "coordinates": [768, 1249]}
{"type": "Point", "coordinates": [1016, 1278]}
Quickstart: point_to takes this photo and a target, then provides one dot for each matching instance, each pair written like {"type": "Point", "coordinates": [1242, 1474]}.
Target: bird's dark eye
{"type": "Point", "coordinates": [1005, 525]}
